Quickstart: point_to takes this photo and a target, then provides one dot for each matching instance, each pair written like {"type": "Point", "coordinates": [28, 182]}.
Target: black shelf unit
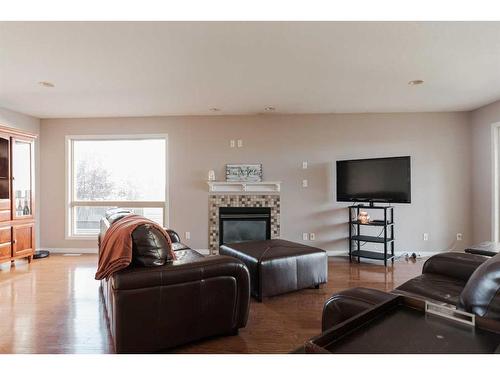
{"type": "Point", "coordinates": [386, 238]}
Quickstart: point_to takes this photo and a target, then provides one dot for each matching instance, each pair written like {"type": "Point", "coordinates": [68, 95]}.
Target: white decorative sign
{"type": "Point", "coordinates": [244, 172]}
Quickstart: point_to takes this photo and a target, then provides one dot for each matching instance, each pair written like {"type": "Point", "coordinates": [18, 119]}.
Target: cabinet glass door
{"type": "Point", "coordinates": [22, 180]}
{"type": "Point", "coordinates": [4, 170]}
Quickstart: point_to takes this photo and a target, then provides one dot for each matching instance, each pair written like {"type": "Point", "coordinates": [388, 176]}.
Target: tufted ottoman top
{"type": "Point", "coordinates": [271, 249]}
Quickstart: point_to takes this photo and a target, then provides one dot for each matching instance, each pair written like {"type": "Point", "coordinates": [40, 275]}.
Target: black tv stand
{"type": "Point", "coordinates": [356, 238]}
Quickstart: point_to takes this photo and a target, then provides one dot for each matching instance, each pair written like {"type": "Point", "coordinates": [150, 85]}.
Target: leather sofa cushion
{"type": "Point", "coordinates": [453, 264]}
{"type": "Point", "coordinates": [433, 287]}
{"type": "Point", "coordinates": [116, 214]}
{"type": "Point", "coordinates": [481, 295]}
{"type": "Point", "coordinates": [174, 237]}
{"type": "Point", "coordinates": [149, 247]}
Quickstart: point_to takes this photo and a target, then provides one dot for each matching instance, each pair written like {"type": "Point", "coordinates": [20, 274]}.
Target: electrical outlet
{"type": "Point", "coordinates": [240, 143]}
{"type": "Point", "coordinates": [426, 236]}
{"type": "Point", "coordinates": [460, 236]}
{"type": "Point", "coordinates": [305, 236]}
{"type": "Point", "coordinates": [304, 165]}
{"type": "Point", "coordinates": [312, 236]}
{"type": "Point", "coordinates": [188, 235]}
{"type": "Point", "coordinates": [304, 183]}
{"type": "Point", "coordinates": [231, 143]}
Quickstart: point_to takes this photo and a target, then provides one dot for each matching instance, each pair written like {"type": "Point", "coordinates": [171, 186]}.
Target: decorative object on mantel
{"type": "Point", "coordinates": [244, 172]}
{"type": "Point", "coordinates": [363, 217]}
{"type": "Point", "coordinates": [211, 175]}
{"type": "Point", "coordinates": [244, 187]}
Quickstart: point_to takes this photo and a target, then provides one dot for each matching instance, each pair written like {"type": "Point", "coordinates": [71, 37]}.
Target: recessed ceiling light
{"type": "Point", "coordinates": [214, 109]}
{"type": "Point", "coordinates": [416, 82]}
{"type": "Point", "coordinates": [270, 108]}
{"type": "Point", "coordinates": [46, 84]}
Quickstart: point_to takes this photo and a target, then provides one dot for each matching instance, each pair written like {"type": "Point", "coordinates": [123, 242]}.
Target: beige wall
{"type": "Point", "coordinates": [481, 125]}
{"type": "Point", "coordinates": [32, 125]}
{"type": "Point", "coordinates": [439, 144]}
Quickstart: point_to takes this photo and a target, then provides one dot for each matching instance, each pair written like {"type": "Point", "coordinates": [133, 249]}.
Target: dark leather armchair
{"type": "Point", "coordinates": [157, 307]}
{"type": "Point", "coordinates": [469, 282]}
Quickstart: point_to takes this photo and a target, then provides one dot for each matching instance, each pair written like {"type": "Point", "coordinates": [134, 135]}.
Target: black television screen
{"type": "Point", "coordinates": [376, 180]}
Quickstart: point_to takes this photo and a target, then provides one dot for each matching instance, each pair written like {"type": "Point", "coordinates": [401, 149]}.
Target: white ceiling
{"type": "Point", "coordinates": [179, 68]}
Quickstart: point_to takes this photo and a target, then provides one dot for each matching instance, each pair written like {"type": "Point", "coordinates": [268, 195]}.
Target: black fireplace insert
{"type": "Point", "coordinates": [239, 224]}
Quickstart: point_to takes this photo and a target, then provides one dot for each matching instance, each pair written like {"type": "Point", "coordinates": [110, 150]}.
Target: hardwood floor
{"type": "Point", "coordinates": [53, 306]}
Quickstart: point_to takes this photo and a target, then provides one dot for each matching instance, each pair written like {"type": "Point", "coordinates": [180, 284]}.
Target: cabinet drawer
{"type": "Point", "coordinates": [5, 235]}
{"type": "Point", "coordinates": [5, 251]}
{"type": "Point", "coordinates": [4, 204]}
{"type": "Point", "coordinates": [5, 215]}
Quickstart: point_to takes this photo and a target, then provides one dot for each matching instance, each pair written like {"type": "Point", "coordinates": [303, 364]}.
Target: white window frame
{"type": "Point", "coordinates": [71, 202]}
{"type": "Point", "coordinates": [495, 183]}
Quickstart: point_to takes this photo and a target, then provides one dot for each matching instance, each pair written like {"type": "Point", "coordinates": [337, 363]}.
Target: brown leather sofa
{"type": "Point", "coordinates": [469, 282]}
{"type": "Point", "coordinates": [155, 305]}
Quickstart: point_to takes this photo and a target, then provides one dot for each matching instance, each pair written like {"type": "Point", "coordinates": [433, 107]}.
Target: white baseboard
{"type": "Point", "coordinates": [77, 250]}
{"type": "Point", "coordinates": [422, 254]}
{"type": "Point", "coordinates": [330, 253]}
{"type": "Point", "coordinates": [70, 250]}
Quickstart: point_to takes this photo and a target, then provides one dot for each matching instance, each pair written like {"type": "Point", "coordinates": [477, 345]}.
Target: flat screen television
{"type": "Point", "coordinates": [374, 180]}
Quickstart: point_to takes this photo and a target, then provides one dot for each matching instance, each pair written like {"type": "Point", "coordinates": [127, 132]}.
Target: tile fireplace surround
{"type": "Point", "coordinates": [240, 200]}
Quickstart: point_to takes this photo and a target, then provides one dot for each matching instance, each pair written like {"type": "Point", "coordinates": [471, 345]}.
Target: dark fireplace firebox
{"type": "Point", "coordinates": [239, 224]}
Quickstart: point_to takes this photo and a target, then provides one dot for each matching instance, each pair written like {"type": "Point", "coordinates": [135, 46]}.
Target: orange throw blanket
{"type": "Point", "coordinates": [115, 252]}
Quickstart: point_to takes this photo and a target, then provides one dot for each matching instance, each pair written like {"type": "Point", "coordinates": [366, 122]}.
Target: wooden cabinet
{"type": "Point", "coordinates": [23, 240]}
{"type": "Point", "coordinates": [17, 204]}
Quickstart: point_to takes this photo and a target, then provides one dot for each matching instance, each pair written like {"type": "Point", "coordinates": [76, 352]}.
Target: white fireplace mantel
{"type": "Point", "coordinates": [244, 187]}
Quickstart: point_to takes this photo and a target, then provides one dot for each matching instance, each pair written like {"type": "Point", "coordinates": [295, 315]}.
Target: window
{"type": "Point", "coordinates": [107, 172]}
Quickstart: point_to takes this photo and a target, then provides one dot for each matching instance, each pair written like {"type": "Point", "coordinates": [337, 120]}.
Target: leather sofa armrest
{"type": "Point", "coordinates": [350, 302]}
{"type": "Point", "coordinates": [455, 265]}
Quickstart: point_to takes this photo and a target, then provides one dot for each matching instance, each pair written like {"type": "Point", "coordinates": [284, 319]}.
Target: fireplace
{"type": "Point", "coordinates": [216, 202]}
{"type": "Point", "coordinates": [239, 224]}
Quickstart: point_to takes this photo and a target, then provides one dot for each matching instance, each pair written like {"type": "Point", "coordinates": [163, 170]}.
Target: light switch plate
{"type": "Point", "coordinates": [240, 142]}
{"type": "Point", "coordinates": [188, 235]}
{"type": "Point", "coordinates": [312, 236]}
{"type": "Point", "coordinates": [305, 183]}
{"type": "Point", "coordinates": [231, 143]}
{"type": "Point", "coordinates": [304, 165]}
{"type": "Point", "coordinates": [305, 236]}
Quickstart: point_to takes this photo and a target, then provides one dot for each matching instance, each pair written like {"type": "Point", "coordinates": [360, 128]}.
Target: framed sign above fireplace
{"type": "Point", "coordinates": [243, 172]}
